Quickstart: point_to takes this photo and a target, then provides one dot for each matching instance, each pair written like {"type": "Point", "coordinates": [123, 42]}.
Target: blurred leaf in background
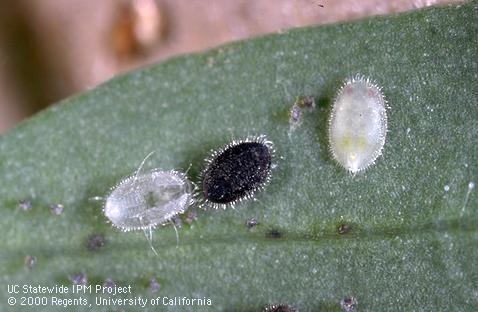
{"type": "Point", "coordinates": [50, 49]}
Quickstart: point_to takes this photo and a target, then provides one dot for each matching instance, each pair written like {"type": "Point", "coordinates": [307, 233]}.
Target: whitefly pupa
{"type": "Point", "coordinates": [144, 201]}
{"type": "Point", "coordinates": [236, 171]}
{"type": "Point", "coordinates": [358, 124]}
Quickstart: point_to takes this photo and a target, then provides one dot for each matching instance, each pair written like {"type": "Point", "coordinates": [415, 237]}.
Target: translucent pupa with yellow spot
{"type": "Point", "coordinates": [358, 124]}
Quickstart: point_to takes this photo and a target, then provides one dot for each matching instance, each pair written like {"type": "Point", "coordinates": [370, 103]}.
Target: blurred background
{"type": "Point", "coordinates": [50, 49]}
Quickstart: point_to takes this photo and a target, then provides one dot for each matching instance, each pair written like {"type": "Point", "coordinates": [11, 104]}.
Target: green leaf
{"type": "Point", "coordinates": [413, 241]}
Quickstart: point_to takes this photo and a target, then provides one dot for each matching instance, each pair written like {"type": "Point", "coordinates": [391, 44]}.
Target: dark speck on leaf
{"type": "Point", "coordinates": [56, 209]}
{"type": "Point", "coordinates": [274, 234]}
{"type": "Point", "coordinates": [349, 304]}
{"type": "Point", "coordinates": [344, 229]}
{"type": "Point", "coordinates": [95, 242]}
{"type": "Point", "coordinates": [280, 308]}
{"type": "Point", "coordinates": [79, 279]}
{"type": "Point", "coordinates": [25, 204]}
{"type": "Point", "coordinates": [30, 262]}
{"type": "Point", "coordinates": [306, 102]}
{"type": "Point", "coordinates": [154, 285]}
{"type": "Point", "coordinates": [252, 222]}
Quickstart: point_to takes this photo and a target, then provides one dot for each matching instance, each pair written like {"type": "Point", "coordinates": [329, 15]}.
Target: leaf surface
{"type": "Point", "coordinates": [413, 239]}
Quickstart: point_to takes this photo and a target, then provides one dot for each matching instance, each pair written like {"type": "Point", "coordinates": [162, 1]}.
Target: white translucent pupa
{"type": "Point", "coordinates": [358, 124]}
{"type": "Point", "coordinates": [144, 201]}
{"type": "Point", "coordinates": [148, 200]}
